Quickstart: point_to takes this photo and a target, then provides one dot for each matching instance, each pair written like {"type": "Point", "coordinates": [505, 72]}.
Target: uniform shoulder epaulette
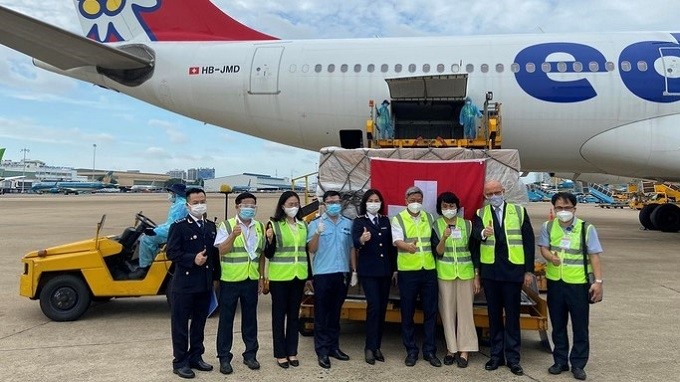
{"type": "Point", "coordinates": [180, 220]}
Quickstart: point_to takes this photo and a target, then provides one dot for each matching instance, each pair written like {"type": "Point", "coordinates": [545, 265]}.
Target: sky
{"type": "Point", "coordinates": [60, 119]}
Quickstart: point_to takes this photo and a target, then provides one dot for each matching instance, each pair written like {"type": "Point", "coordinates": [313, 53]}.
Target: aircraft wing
{"type": "Point", "coordinates": [61, 48]}
{"type": "Point", "coordinates": [12, 177]}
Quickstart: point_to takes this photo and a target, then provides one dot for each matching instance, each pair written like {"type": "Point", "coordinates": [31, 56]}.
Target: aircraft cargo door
{"type": "Point", "coordinates": [264, 71]}
{"type": "Point", "coordinates": [670, 65]}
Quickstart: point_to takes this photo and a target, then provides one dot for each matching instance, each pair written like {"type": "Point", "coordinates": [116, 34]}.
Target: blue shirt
{"type": "Point", "coordinates": [592, 241]}
{"type": "Point", "coordinates": [335, 245]}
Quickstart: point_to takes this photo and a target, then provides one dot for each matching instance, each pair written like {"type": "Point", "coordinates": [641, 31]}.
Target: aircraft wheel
{"type": "Point", "coordinates": [645, 216]}
{"type": "Point", "coordinates": [65, 298]}
{"type": "Point", "coordinates": [666, 218]}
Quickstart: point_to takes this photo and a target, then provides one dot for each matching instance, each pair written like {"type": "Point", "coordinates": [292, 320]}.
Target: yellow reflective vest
{"type": "Point", "coordinates": [456, 262]}
{"type": "Point", "coordinates": [569, 249]}
{"type": "Point", "coordinates": [512, 225]}
{"type": "Point", "coordinates": [420, 235]}
{"type": "Point", "coordinates": [236, 265]}
{"type": "Point", "coordinates": [290, 259]}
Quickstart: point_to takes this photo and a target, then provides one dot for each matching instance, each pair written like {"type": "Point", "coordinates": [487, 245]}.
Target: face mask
{"type": "Point", "coordinates": [247, 213]}
{"type": "Point", "coordinates": [496, 200]}
{"type": "Point", "coordinates": [373, 207]}
{"type": "Point", "coordinates": [333, 209]}
{"type": "Point", "coordinates": [565, 216]}
{"type": "Point", "coordinates": [449, 214]}
{"type": "Point", "coordinates": [197, 210]}
{"type": "Point", "coordinates": [414, 208]}
{"type": "Point", "coordinates": [292, 211]}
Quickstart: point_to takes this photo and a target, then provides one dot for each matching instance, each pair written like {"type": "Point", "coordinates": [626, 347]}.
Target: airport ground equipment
{"type": "Point", "coordinates": [659, 205]}
{"type": "Point", "coordinates": [607, 197]}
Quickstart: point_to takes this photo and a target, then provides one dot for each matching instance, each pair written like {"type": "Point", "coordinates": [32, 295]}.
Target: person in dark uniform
{"type": "Point", "coordinates": [196, 260]}
{"type": "Point", "coordinates": [506, 261]}
{"type": "Point", "coordinates": [376, 260]}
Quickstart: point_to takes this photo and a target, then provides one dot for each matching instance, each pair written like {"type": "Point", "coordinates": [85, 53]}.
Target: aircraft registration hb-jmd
{"type": "Point", "coordinates": [579, 104]}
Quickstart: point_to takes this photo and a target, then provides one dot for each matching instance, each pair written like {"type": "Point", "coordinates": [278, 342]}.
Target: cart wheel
{"type": "Point", "coordinates": [65, 298]}
{"type": "Point", "coordinates": [306, 327]}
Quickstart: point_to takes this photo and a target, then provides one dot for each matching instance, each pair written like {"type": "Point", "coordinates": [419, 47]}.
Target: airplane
{"type": "Point", "coordinates": [68, 187]}
{"type": "Point", "coordinates": [578, 105]}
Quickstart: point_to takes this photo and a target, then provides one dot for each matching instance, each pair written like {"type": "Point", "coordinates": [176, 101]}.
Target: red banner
{"type": "Point", "coordinates": [464, 178]}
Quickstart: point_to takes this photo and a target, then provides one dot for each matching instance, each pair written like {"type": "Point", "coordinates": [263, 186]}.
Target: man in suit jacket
{"type": "Point", "coordinates": [196, 261]}
{"type": "Point", "coordinates": [506, 261]}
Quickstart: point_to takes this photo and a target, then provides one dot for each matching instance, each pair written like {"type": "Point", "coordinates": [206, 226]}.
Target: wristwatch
{"type": "Point", "coordinates": [598, 281]}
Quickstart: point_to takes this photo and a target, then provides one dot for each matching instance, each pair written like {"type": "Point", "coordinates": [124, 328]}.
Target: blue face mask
{"type": "Point", "coordinates": [333, 209]}
{"type": "Point", "coordinates": [246, 213]}
{"type": "Point", "coordinates": [496, 200]}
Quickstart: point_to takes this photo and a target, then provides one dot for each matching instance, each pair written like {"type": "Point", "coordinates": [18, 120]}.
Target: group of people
{"type": "Point", "coordinates": [442, 260]}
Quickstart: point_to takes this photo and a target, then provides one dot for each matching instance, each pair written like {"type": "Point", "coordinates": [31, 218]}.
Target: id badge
{"type": "Point", "coordinates": [565, 243]}
{"type": "Point", "coordinates": [456, 233]}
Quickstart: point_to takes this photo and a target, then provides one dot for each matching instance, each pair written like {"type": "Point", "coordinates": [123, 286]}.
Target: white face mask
{"type": "Point", "coordinates": [373, 207]}
{"type": "Point", "coordinates": [414, 208]}
{"type": "Point", "coordinates": [449, 214]}
{"type": "Point", "coordinates": [197, 210]}
{"type": "Point", "coordinates": [292, 211]}
{"type": "Point", "coordinates": [565, 216]}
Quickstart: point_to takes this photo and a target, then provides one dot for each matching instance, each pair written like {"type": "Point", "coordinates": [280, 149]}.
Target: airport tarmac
{"type": "Point", "coordinates": [635, 332]}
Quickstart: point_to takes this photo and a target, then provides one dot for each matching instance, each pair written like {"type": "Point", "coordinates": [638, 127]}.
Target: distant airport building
{"type": "Point", "coordinates": [38, 170]}
{"type": "Point", "coordinates": [177, 174]}
{"type": "Point", "coordinates": [248, 182]}
{"type": "Point", "coordinates": [200, 173]}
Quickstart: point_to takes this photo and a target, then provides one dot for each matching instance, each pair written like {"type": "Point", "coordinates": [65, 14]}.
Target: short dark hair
{"type": "Point", "coordinates": [194, 190]}
{"type": "Point", "coordinates": [328, 194]}
{"type": "Point", "coordinates": [245, 195]}
{"type": "Point", "coordinates": [447, 197]}
{"type": "Point", "coordinates": [280, 214]}
{"type": "Point", "coordinates": [368, 194]}
{"type": "Point", "coordinates": [564, 196]}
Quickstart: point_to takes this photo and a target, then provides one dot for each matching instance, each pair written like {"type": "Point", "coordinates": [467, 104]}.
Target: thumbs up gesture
{"type": "Point", "coordinates": [366, 236]}
{"type": "Point", "coordinates": [321, 227]}
{"type": "Point", "coordinates": [488, 231]}
{"type": "Point", "coordinates": [269, 233]}
{"type": "Point", "coordinates": [447, 233]}
{"type": "Point", "coordinates": [237, 230]}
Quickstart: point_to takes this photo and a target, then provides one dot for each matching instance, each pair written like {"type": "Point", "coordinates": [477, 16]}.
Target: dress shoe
{"type": "Point", "coordinates": [449, 359]}
{"type": "Point", "coordinates": [432, 359]}
{"type": "Point", "coordinates": [461, 362]}
{"type": "Point", "coordinates": [369, 356]}
{"type": "Point", "coordinates": [324, 362]}
{"type": "Point", "coordinates": [410, 360]}
{"type": "Point", "coordinates": [138, 273]}
{"type": "Point", "coordinates": [338, 354]}
{"type": "Point", "coordinates": [225, 367]}
{"type": "Point", "coordinates": [557, 368]}
{"type": "Point", "coordinates": [493, 364]}
{"type": "Point", "coordinates": [251, 363]}
{"type": "Point", "coordinates": [282, 364]}
{"type": "Point", "coordinates": [184, 372]}
{"type": "Point", "coordinates": [201, 365]}
{"type": "Point", "coordinates": [579, 373]}
{"type": "Point", "coordinates": [294, 362]}
{"type": "Point", "coordinates": [516, 369]}
{"type": "Point", "coordinates": [379, 355]}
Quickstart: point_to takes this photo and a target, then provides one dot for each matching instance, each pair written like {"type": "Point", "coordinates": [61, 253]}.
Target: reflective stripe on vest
{"type": "Point", "coordinates": [290, 259]}
{"type": "Point", "coordinates": [456, 262]}
{"type": "Point", "coordinates": [236, 264]}
{"type": "Point", "coordinates": [418, 234]}
{"type": "Point", "coordinates": [570, 269]}
{"type": "Point", "coordinates": [512, 225]}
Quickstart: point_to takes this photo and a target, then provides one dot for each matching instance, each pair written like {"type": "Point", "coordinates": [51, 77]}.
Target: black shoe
{"type": "Point", "coordinates": [338, 354]}
{"type": "Point", "coordinates": [579, 374]}
{"type": "Point", "coordinates": [411, 360]}
{"type": "Point", "coordinates": [294, 362]}
{"type": "Point", "coordinates": [138, 273]}
{"type": "Point", "coordinates": [557, 368]}
{"type": "Point", "coordinates": [324, 362]}
{"type": "Point", "coordinates": [184, 372]}
{"type": "Point", "coordinates": [200, 365]}
{"type": "Point", "coordinates": [516, 369]}
{"type": "Point", "coordinates": [225, 367]}
{"type": "Point", "coordinates": [251, 363]}
{"type": "Point", "coordinates": [461, 362]}
{"type": "Point", "coordinates": [449, 359]}
{"type": "Point", "coordinates": [432, 358]}
{"type": "Point", "coordinates": [493, 364]}
{"type": "Point", "coordinates": [379, 355]}
{"type": "Point", "coordinates": [369, 356]}
{"type": "Point", "coordinates": [282, 364]}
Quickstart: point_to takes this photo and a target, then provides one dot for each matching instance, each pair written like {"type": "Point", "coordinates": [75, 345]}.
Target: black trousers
{"type": "Point", "coordinates": [230, 294]}
{"type": "Point", "coordinates": [286, 300]}
{"type": "Point", "coordinates": [567, 301]}
{"type": "Point", "coordinates": [506, 337]}
{"type": "Point", "coordinates": [412, 284]}
{"type": "Point", "coordinates": [330, 291]}
{"type": "Point", "coordinates": [187, 341]}
{"type": "Point", "coordinates": [377, 292]}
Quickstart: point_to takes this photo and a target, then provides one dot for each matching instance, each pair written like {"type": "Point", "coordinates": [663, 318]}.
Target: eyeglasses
{"type": "Point", "coordinates": [558, 209]}
{"type": "Point", "coordinates": [497, 193]}
{"type": "Point", "coordinates": [333, 202]}
{"type": "Point", "coordinates": [247, 205]}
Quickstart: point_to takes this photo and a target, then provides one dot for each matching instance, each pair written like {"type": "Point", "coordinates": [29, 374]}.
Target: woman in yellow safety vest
{"type": "Point", "coordinates": [286, 249]}
{"type": "Point", "coordinates": [457, 278]}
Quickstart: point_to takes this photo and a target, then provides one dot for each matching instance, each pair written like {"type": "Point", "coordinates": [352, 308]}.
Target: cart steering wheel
{"type": "Point", "coordinates": [145, 220]}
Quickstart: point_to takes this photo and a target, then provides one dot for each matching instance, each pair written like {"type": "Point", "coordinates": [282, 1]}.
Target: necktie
{"type": "Point", "coordinates": [199, 223]}
{"type": "Point", "coordinates": [498, 215]}
{"type": "Point", "coordinates": [375, 221]}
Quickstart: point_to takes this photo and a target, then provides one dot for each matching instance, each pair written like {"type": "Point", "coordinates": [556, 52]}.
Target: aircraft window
{"type": "Point", "coordinates": [545, 67]}
{"type": "Point", "coordinates": [357, 68]}
{"type": "Point", "coordinates": [530, 67]}
{"type": "Point", "coordinates": [305, 68]}
{"type": "Point", "coordinates": [593, 66]}
{"type": "Point", "coordinates": [499, 68]}
{"type": "Point", "coordinates": [397, 68]}
{"type": "Point", "coordinates": [317, 68]}
{"type": "Point", "coordinates": [331, 68]}
{"type": "Point", "coordinates": [293, 68]}
{"type": "Point", "coordinates": [455, 68]}
{"type": "Point", "coordinates": [625, 66]}
{"type": "Point", "coordinates": [343, 68]}
{"type": "Point", "coordinates": [609, 66]}
{"type": "Point", "coordinates": [384, 68]}
{"type": "Point", "coordinates": [642, 66]}
{"type": "Point", "coordinates": [514, 67]}
{"type": "Point", "coordinates": [561, 67]}
{"type": "Point", "coordinates": [440, 68]}
{"type": "Point", "coordinates": [370, 68]}
{"type": "Point", "coordinates": [484, 68]}
{"type": "Point", "coordinates": [469, 68]}
{"type": "Point", "coordinates": [578, 66]}
{"type": "Point", "coordinates": [412, 68]}
{"type": "Point", "coordinates": [426, 68]}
